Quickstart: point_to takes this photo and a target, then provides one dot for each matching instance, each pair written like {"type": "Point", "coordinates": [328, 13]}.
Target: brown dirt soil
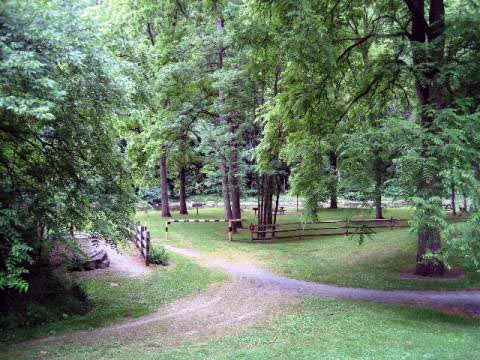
{"type": "Point", "coordinates": [452, 274]}
{"type": "Point", "coordinates": [222, 309]}
{"type": "Point", "coordinates": [127, 261]}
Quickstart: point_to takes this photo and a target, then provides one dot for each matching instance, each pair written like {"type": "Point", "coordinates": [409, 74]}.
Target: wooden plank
{"type": "Point", "coordinates": [147, 249]}
{"type": "Point", "coordinates": [276, 231]}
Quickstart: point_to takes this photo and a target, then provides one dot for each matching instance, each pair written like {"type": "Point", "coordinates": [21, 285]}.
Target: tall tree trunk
{"type": "Point", "coordinates": [164, 185]}
{"type": "Point", "coordinates": [476, 170]}
{"type": "Point", "coordinates": [227, 208]}
{"type": "Point", "coordinates": [453, 200]}
{"type": "Point", "coordinates": [267, 200]}
{"type": "Point", "coordinates": [221, 105]}
{"type": "Point", "coordinates": [277, 200]}
{"type": "Point", "coordinates": [429, 93]}
{"type": "Point", "coordinates": [378, 169]}
{"type": "Point", "coordinates": [183, 193]}
{"type": "Point", "coordinates": [235, 187]}
{"type": "Point", "coordinates": [333, 189]}
{"type": "Point", "coordinates": [265, 203]}
{"type": "Point", "coordinates": [260, 198]}
{"type": "Point", "coordinates": [378, 194]}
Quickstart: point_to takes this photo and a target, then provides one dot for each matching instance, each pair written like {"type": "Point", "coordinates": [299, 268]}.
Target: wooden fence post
{"type": "Point", "coordinates": [147, 248]}
{"type": "Point", "coordinates": [347, 226]}
{"type": "Point", "coordinates": [166, 229]}
{"type": "Point", "coordinates": [230, 229]}
{"type": "Point", "coordinates": [142, 241]}
{"type": "Point", "coordinates": [391, 222]}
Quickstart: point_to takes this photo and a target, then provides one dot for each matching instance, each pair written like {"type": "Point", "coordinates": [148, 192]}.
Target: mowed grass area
{"type": "Point", "coordinates": [129, 297]}
{"type": "Point", "coordinates": [333, 259]}
{"type": "Point", "coordinates": [316, 329]}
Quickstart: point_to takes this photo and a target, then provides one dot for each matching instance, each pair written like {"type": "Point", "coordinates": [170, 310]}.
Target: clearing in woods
{"type": "Point", "coordinates": [252, 296]}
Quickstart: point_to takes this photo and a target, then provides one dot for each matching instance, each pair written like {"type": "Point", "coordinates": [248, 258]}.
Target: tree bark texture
{"type": "Point", "coordinates": [378, 169]}
{"type": "Point", "coordinates": [227, 208]}
{"type": "Point", "coordinates": [183, 192]}
{"type": "Point", "coordinates": [164, 186]}
{"type": "Point", "coordinates": [265, 190]}
{"type": "Point", "coordinates": [224, 169]}
{"type": "Point", "coordinates": [378, 194]}
{"type": "Point", "coordinates": [429, 94]}
{"type": "Point", "coordinates": [453, 199]}
{"type": "Point", "coordinates": [333, 188]}
{"type": "Point", "coordinates": [234, 185]}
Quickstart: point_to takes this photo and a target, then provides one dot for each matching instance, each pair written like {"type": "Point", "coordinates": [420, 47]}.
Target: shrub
{"type": "Point", "coordinates": [50, 297]}
{"type": "Point", "coordinates": [158, 255]}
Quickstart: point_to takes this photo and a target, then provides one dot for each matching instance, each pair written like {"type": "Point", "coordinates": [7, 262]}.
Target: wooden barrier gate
{"type": "Point", "coordinates": [230, 224]}
{"type": "Point", "coordinates": [142, 240]}
{"type": "Point", "coordinates": [298, 230]}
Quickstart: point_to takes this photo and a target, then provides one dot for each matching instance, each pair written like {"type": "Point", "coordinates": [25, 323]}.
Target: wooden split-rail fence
{"type": "Point", "coordinates": [142, 240]}
{"type": "Point", "coordinates": [299, 231]}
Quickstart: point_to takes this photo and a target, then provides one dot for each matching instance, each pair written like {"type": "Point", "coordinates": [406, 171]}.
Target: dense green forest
{"type": "Point", "coordinates": [107, 103]}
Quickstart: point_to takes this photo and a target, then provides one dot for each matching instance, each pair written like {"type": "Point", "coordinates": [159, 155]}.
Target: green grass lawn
{"type": "Point", "coordinates": [335, 260]}
{"type": "Point", "coordinates": [316, 329]}
{"type": "Point", "coordinates": [133, 297]}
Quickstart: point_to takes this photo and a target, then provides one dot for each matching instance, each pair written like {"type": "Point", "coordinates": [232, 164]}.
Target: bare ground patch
{"type": "Point", "coordinates": [123, 261]}
{"type": "Point", "coordinates": [222, 309]}
{"type": "Point", "coordinates": [254, 296]}
{"type": "Point", "coordinates": [452, 274]}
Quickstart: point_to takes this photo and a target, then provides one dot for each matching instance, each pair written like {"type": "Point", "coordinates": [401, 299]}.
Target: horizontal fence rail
{"type": "Point", "coordinates": [142, 240]}
{"type": "Point", "coordinates": [302, 230]}
{"type": "Point", "coordinates": [298, 230]}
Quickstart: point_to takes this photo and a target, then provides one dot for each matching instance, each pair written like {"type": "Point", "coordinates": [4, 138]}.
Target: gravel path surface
{"type": "Point", "coordinates": [465, 301]}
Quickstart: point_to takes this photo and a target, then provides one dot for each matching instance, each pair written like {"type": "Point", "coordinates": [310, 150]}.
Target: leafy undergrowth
{"type": "Point", "coordinates": [116, 297]}
{"type": "Point", "coordinates": [158, 255]}
{"type": "Point", "coordinates": [335, 260]}
{"type": "Point", "coordinates": [49, 297]}
{"type": "Point", "coordinates": [317, 329]}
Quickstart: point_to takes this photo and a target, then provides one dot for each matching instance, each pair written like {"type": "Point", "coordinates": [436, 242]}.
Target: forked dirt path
{"type": "Point", "coordinates": [223, 309]}
{"type": "Point", "coordinates": [252, 295]}
{"type": "Point", "coordinates": [465, 301]}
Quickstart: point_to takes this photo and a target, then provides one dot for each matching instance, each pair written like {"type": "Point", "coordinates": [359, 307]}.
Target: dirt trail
{"type": "Point", "coordinates": [466, 301]}
{"type": "Point", "coordinates": [253, 295]}
{"type": "Point", "coordinates": [223, 308]}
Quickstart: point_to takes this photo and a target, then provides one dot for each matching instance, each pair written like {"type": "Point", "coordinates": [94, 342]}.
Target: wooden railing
{"type": "Point", "coordinates": [142, 240]}
{"type": "Point", "coordinates": [299, 231]}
